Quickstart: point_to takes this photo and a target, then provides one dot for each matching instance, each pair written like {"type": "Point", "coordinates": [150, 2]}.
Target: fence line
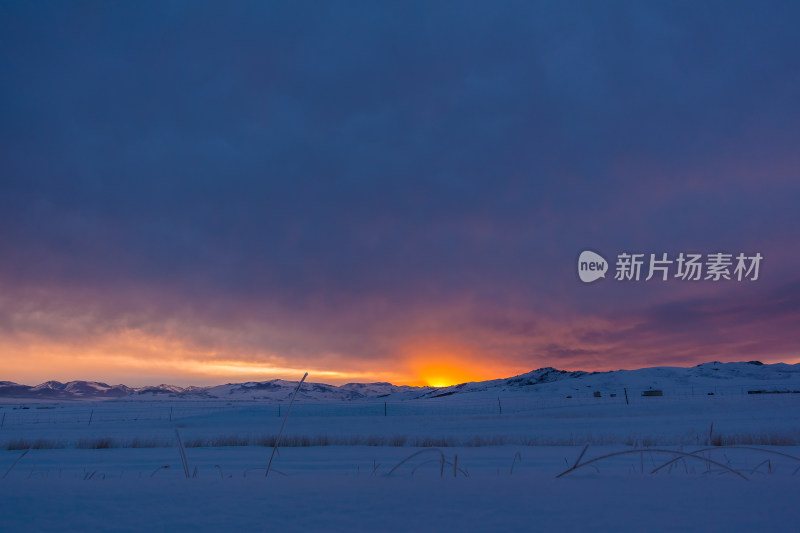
{"type": "Point", "coordinates": [173, 411]}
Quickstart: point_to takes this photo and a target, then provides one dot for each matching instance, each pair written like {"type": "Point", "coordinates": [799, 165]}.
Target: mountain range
{"type": "Point", "coordinates": [706, 378]}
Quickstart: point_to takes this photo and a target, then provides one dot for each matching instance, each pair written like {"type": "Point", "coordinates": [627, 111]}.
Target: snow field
{"type": "Point", "coordinates": [506, 475]}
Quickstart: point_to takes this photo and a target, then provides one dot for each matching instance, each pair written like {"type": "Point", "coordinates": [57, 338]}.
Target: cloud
{"type": "Point", "coordinates": [329, 184]}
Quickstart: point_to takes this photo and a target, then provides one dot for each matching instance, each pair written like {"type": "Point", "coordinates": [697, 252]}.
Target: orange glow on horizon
{"type": "Point", "coordinates": [444, 375]}
{"type": "Point", "coordinates": [135, 359]}
{"type": "Point", "coordinates": [204, 355]}
{"type": "Point", "coordinates": [441, 363]}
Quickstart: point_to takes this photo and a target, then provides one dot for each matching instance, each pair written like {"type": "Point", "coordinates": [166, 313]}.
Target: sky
{"type": "Point", "coordinates": [211, 192]}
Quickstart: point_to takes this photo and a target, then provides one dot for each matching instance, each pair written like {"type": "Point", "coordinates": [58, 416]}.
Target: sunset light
{"type": "Point", "coordinates": [417, 220]}
{"type": "Point", "coordinates": [370, 266]}
{"type": "Point", "coordinates": [443, 375]}
{"type": "Point", "coordinates": [447, 361]}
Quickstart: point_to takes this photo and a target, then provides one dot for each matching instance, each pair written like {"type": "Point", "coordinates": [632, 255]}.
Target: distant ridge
{"type": "Point", "coordinates": [778, 377]}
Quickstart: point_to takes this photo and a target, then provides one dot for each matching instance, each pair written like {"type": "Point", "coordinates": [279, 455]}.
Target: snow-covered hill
{"type": "Point", "coordinates": [70, 390]}
{"type": "Point", "coordinates": [707, 378]}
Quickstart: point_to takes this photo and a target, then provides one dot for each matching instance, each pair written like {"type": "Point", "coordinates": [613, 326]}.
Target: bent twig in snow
{"type": "Point", "coordinates": [653, 450]}
{"type": "Point", "coordinates": [701, 450]}
{"type": "Point", "coordinates": [578, 460]}
{"type": "Point", "coordinates": [283, 424]}
{"type": "Point", "coordinates": [182, 453]}
{"type": "Point", "coordinates": [163, 467]}
{"type": "Point", "coordinates": [436, 450]}
{"type": "Point", "coordinates": [10, 468]}
{"type": "Point", "coordinates": [519, 456]}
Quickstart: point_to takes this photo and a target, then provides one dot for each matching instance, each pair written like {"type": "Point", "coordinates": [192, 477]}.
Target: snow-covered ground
{"type": "Point", "coordinates": [767, 418]}
{"type": "Point", "coordinates": [488, 457]}
{"type": "Point", "coordinates": [333, 489]}
{"type": "Point", "coordinates": [70, 486]}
